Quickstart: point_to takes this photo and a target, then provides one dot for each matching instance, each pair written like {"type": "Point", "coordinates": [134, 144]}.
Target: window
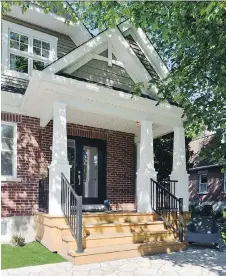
{"type": "Point", "coordinates": [8, 149]}
{"type": "Point", "coordinates": [24, 49]}
{"type": "Point", "coordinates": [225, 182]}
{"type": "Point", "coordinates": [203, 186]}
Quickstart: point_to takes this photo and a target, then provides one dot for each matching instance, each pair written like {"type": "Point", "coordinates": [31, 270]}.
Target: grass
{"type": "Point", "coordinates": [31, 254]}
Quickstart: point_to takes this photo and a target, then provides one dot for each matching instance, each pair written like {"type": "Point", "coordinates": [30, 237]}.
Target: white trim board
{"type": "Point", "coordinates": [36, 15]}
{"type": "Point", "coordinates": [44, 89]}
{"type": "Point", "coordinates": [144, 43]}
{"type": "Point", "coordinates": [95, 54]}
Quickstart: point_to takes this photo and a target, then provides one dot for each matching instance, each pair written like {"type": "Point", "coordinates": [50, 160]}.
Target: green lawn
{"type": "Point", "coordinates": [31, 254]}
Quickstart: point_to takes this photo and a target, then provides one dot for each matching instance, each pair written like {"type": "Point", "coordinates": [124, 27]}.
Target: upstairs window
{"type": "Point", "coordinates": [203, 183]}
{"type": "Point", "coordinates": [24, 49]}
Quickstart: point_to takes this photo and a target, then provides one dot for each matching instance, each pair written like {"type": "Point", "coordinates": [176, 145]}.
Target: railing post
{"type": "Point", "coordinates": [79, 224]}
{"type": "Point", "coordinates": [153, 194]}
{"type": "Point", "coordinates": [181, 225]}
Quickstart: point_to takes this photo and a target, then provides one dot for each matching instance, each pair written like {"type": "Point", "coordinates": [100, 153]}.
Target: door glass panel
{"type": "Point", "coordinates": [90, 172]}
{"type": "Point", "coordinates": [71, 159]}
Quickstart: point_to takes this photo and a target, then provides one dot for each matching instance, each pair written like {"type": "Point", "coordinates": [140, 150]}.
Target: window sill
{"type": "Point", "coordinates": [204, 193]}
{"type": "Point", "coordinates": [15, 74]}
{"type": "Point", "coordinates": [10, 179]}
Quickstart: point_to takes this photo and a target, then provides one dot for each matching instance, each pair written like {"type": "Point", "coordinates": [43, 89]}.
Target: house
{"type": "Point", "coordinates": [207, 180]}
{"type": "Point", "coordinates": [68, 114]}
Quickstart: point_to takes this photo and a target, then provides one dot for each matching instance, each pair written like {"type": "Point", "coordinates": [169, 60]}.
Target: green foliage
{"type": "Point", "coordinates": [223, 232]}
{"type": "Point", "coordinates": [211, 148]}
{"type": "Point", "coordinates": [31, 254]}
{"type": "Point", "coordinates": [163, 150]}
{"type": "Point", "coordinates": [189, 36]}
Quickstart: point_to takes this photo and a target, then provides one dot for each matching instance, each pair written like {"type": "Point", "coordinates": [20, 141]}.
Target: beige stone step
{"type": "Point", "coordinates": [49, 220]}
{"type": "Point", "coordinates": [102, 228]}
{"type": "Point", "coordinates": [119, 238]}
{"type": "Point", "coordinates": [117, 217]}
{"type": "Point", "coordinates": [114, 252]}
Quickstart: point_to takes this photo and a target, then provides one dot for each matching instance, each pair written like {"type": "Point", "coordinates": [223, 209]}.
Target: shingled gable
{"type": "Point", "coordinates": [132, 63]}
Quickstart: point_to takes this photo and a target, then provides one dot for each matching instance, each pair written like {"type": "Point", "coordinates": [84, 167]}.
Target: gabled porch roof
{"type": "Point", "coordinates": [132, 58]}
{"type": "Point", "coordinates": [93, 105]}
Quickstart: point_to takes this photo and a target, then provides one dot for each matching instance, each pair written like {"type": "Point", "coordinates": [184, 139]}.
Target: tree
{"type": "Point", "coordinates": [163, 150]}
{"type": "Point", "coordinates": [189, 36]}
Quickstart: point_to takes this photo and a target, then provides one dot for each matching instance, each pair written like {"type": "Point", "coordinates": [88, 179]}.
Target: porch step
{"type": "Point", "coordinates": [114, 252]}
{"type": "Point", "coordinates": [119, 238]}
{"type": "Point", "coordinates": [107, 236]}
{"type": "Point", "coordinates": [117, 217]}
{"type": "Point", "coordinates": [107, 228]}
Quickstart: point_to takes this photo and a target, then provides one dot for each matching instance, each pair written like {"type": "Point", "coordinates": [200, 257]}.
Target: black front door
{"type": "Point", "coordinates": [88, 169]}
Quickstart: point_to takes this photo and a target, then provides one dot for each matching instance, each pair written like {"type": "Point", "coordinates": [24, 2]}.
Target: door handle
{"type": "Point", "coordinates": [79, 178]}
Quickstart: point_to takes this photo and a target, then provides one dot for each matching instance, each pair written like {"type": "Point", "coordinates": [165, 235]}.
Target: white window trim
{"type": "Point", "coordinates": [6, 27]}
{"type": "Point", "coordinates": [199, 179]}
{"type": "Point", "coordinates": [14, 176]}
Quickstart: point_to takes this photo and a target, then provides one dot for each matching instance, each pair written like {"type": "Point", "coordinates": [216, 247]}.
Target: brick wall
{"type": "Point", "coordinates": [215, 185]}
{"type": "Point", "coordinates": [120, 172]}
{"type": "Point", "coordinates": [20, 198]}
{"type": "Point", "coordinates": [34, 156]}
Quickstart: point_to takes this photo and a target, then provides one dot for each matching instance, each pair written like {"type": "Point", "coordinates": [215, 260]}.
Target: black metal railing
{"type": "Point", "coordinates": [43, 195]}
{"type": "Point", "coordinates": [170, 185]}
{"type": "Point", "coordinates": [71, 205]}
{"type": "Point", "coordinates": [168, 206]}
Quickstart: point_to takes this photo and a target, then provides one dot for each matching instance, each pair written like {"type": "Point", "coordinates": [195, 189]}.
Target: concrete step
{"type": "Point", "coordinates": [114, 252]}
{"type": "Point", "coordinates": [119, 238]}
{"type": "Point", "coordinates": [102, 228]}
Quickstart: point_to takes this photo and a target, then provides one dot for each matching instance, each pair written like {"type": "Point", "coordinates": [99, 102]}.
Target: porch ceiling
{"type": "Point", "coordinates": [92, 105]}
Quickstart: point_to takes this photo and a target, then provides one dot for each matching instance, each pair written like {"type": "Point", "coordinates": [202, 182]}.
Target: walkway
{"type": "Point", "coordinates": [193, 262]}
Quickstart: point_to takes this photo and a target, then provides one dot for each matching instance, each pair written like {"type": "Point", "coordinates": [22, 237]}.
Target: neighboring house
{"type": "Point", "coordinates": [207, 181]}
{"type": "Point", "coordinates": [67, 108]}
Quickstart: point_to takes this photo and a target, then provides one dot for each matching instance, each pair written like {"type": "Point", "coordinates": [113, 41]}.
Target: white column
{"type": "Point", "coordinates": [146, 169]}
{"type": "Point", "coordinates": [59, 162]}
{"type": "Point", "coordinates": [179, 172]}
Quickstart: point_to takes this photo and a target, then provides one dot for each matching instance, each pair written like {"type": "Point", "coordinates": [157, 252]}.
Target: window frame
{"type": "Point", "coordinates": [14, 176]}
{"type": "Point", "coordinates": [200, 174]}
{"type": "Point", "coordinates": [31, 34]}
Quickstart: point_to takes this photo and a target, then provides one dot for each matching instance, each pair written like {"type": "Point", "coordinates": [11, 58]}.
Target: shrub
{"type": "Point", "coordinates": [224, 213]}
{"type": "Point", "coordinates": [17, 240]}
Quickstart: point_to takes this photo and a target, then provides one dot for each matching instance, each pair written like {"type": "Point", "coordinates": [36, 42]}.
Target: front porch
{"type": "Point", "coordinates": [102, 149]}
{"type": "Point", "coordinates": [126, 125]}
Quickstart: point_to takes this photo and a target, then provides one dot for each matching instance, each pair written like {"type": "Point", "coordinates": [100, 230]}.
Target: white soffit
{"type": "Point", "coordinates": [44, 89]}
{"type": "Point", "coordinates": [10, 102]}
{"type": "Point", "coordinates": [36, 15]}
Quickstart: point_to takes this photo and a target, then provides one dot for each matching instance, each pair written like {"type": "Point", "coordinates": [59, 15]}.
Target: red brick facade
{"type": "Point", "coordinates": [215, 185]}
{"type": "Point", "coordinates": [34, 156]}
